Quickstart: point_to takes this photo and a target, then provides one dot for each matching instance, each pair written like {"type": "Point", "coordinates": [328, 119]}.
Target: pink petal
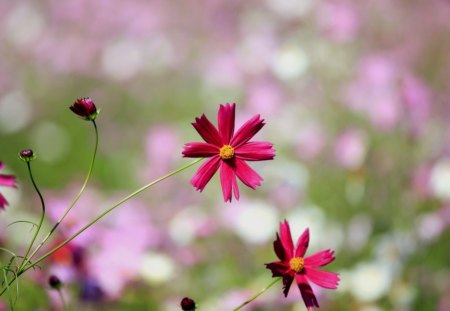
{"type": "Point", "coordinates": [287, 281]}
{"type": "Point", "coordinates": [286, 239]}
{"type": "Point", "coordinates": [199, 150]}
{"type": "Point", "coordinates": [247, 131]}
{"type": "Point", "coordinates": [319, 259]}
{"type": "Point", "coordinates": [227, 180]}
{"type": "Point", "coordinates": [246, 174]}
{"type": "Point", "coordinates": [205, 173]}
{"type": "Point", "coordinates": [279, 249]}
{"type": "Point", "coordinates": [302, 244]}
{"type": "Point", "coordinates": [2, 165]}
{"type": "Point", "coordinates": [235, 188]}
{"type": "Point", "coordinates": [207, 131]}
{"type": "Point", "coordinates": [322, 278]}
{"type": "Point", "coordinates": [7, 180]}
{"type": "Point", "coordinates": [3, 202]}
{"type": "Point", "coordinates": [226, 118]}
{"type": "Point", "coordinates": [308, 296]}
{"type": "Point", "coordinates": [255, 151]}
{"type": "Point", "coordinates": [278, 268]}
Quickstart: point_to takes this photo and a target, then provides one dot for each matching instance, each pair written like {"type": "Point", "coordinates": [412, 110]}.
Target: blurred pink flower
{"type": "Point", "coordinates": [5, 181]}
{"type": "Point", "coordinates": [228, 151]}
{"type": "Point", "coordinates": [338, 21]}
{"type": "Point", "coordinates": [310, 141]}
{"type": "Point", "coordinates": [417, 102]}
{"type": "Point", "coordinates": [374, 92]}
{"type": "Point", "coordinates": [293, 265]}
{"type": "Point", "coordinates": [160, 146]}
{"type": "Point", "coordinates": [265, 97]}
{"type": "Point", "coordinates": [350, 148]}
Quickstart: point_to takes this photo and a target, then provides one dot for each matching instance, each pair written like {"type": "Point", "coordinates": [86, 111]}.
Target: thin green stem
{"type": "Point", "coordinates": [257, 295]}
{"type": "Point", "coordinates": [77, 197]}
{"type": "Point", "coordinates": [25, 257]}
{"type": "Point", "coordinates": [108, 211]}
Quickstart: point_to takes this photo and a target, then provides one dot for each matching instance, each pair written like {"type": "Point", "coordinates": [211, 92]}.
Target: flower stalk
{"type": "Point", "coordinates": [77, 197]}
{"type": "Point", "coordinates": [257, 294]}
{"type": "Point", "coordinates": [26, 259]}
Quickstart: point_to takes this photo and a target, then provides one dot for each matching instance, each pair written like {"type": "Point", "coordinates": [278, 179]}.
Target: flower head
{"type": "Point", "coordinates": [228, 151]}
{"type": "Point", "coordinates": [293, 265]}
{"type": "Point", "coordinates": [55, 282]}
{"type": "Point", "coordinates": [5, 181]}
{"type": "Point", "coordinates": [85, 108]}
{"type": "Point", "coordinates": [27, 155]}
{"type": "Point", "coordinates": [187, 304]}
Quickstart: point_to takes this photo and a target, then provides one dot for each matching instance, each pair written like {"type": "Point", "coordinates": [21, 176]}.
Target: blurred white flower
{"type": "Point", "coordinates": [369, 281]}
{"type": "Point", "coordinates": [15, 111]}
{"type": "Point", "coordinates": [290, 8]}
{"type": "Point", "coordinates": [24, 24]}
{"type": "Point", "coordinates": [157, 268]}
{"type": "Point", "coordinates": [290, 62]}
{"type": "Point", "coordinates": [359, 230]}
{"type": "Point", "coordinates": [253, 221]}
{"type": "Point", "coordinates": [122, 60]}
{"type": "Point", "coordinates": [440, 179]}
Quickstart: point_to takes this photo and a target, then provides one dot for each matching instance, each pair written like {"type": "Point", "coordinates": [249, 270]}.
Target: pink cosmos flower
{"type": "Point", "coordinates": [293, 265]}
{"type": "Point", "coordinates": [228, 151]}
{"type": "Point", "coordinates": [5, 181]}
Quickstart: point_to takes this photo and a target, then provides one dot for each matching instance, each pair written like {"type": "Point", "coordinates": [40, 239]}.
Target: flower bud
{"type": "Point", "coordinates": [187, 304]}
{"type": "Point", "coordinates": [54, 282]}
{"type": "Point", "coordinates": [85, 108]}
{"type": "Point", "coordinates": [27, 155]}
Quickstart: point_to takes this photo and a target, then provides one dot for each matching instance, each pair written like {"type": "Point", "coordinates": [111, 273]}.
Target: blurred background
{"type": "Point", "coordinates": [356, 100]}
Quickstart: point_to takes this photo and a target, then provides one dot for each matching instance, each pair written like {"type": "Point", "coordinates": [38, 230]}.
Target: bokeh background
{"type": "Point", "coordinates": [356, 99]}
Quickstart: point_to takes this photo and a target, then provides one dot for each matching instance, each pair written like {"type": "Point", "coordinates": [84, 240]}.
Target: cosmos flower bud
{"type": "Point", "coordinates": [187, 304]}
{"type": "Point", "coordinates": [54, 282]}
{"type": "Point", "coordinates": [85, 108]}
{"type": "Point", "coordinates": [27, 155]}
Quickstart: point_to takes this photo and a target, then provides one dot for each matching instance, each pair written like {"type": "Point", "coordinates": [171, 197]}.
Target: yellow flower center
{"type": "Point", "coordinates": [297, 264]}
{"type": "Point", "coordinates": [226, 152]}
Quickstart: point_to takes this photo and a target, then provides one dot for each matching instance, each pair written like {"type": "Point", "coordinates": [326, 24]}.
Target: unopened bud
{"type": "Point", "coordinates": [54, 282]}
{"type": "Point", "coordinates": [27, 155]}
{"type": "Point", "coordinates": [187, 304]}
{"type": "Point", "coordinates": [85, 108]}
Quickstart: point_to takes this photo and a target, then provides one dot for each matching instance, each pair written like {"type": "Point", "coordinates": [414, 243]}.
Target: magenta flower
{"type": "Point", "coordinates": [293, 265]}
{"type": "Point", "coordinates": [5, 181]}
{"type": "Point", "coordinates": [228, 151]}
{"type": "Point", "coordinates": [85, 108]}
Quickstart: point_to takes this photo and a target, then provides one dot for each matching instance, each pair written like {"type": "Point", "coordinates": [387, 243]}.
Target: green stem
{"type": "Point", "coordinates": [108, 211]}
{"type": "Point", "coordinates": [77, 197]}
{"type": "Point", "coordinates": [25, 257]}
{"type": "Point", "coordinates": [257, 295]}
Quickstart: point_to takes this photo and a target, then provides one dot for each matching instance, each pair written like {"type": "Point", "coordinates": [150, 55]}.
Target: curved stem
{"type": "Point", "coordinates": [77, 197]}
{"type": "Point", "coordinates": [256, 295]}
{"type": "Point", "coordinates": [25, 256]}
{"type": "Point", "coordinates": [108, 211]}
